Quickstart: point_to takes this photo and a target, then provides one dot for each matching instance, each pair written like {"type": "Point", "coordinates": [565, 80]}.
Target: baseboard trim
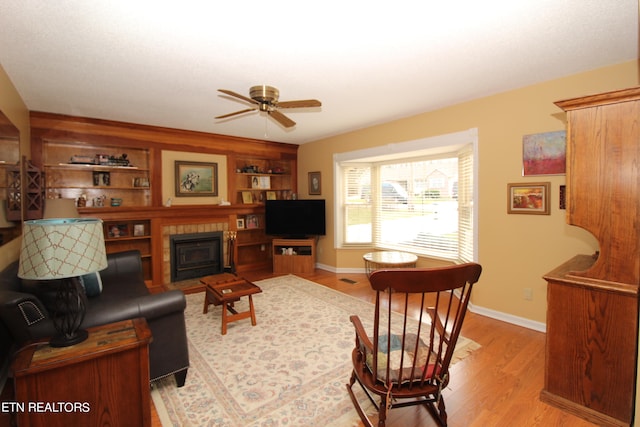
{"type": "Point", "coordinates": [508, 318]}
{"type": "Point", "coordinates": [335, 270]}
{"type": "Point", "coordinates": [483, 311]}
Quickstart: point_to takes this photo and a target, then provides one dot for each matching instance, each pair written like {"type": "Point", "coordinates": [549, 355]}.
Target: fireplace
{"type": "Point", "coordinates": [196, 255]}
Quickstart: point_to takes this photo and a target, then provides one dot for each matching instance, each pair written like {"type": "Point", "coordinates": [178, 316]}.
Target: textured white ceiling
{"type": "Point", "coordinates": [161, 62]}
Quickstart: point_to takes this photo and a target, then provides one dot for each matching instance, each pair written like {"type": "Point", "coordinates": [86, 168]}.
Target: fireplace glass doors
{"type": "Point", "coordinates": [196, 255]}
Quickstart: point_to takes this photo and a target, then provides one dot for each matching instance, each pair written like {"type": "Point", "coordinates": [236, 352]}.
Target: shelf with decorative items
{"type": "Point", "coordinates": [96, 177]}
{"type": "Point", "coordinates": [252, 244]}
{"type": "Point", "coordinates": [125, 235]}
{"type": "Point", "coordinates": [257, 180]}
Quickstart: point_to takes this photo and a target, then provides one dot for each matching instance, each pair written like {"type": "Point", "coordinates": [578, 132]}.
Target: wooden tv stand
{"type": "Point", "coordinates": [294, 255]}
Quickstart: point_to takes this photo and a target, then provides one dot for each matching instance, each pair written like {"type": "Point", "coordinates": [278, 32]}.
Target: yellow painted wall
{"type": "Point", "coordinates": [15, 109]}
{"type": "Point", "coordinates": [515, 250]}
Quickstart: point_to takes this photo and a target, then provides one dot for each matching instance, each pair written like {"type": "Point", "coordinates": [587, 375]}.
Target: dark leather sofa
{"type": "Point", "coordinates": [24, 316]}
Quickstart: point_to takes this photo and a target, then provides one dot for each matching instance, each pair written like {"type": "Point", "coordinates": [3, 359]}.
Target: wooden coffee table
{"type": "Point", "coordinates": [227, 291]}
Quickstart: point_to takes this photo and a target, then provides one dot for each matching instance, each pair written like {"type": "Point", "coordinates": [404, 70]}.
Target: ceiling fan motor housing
{"type": "Point", "coordinates": [265, 95]}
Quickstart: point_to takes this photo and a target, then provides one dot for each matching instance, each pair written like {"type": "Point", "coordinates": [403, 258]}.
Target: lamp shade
{"type": "Point", "coordinates": [61, 248]}
{"type": "Point", "coordinates": [60, 208]}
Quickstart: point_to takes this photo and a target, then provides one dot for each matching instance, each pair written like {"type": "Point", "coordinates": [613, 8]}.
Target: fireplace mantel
{"type": "Point", "coordinates": [175, 220]}
{"type": "Point", "coordinates": [166, 213]}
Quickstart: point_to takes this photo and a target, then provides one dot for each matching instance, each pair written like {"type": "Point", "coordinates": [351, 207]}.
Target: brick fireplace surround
{"type": "Point", "coordinates": [167, 221]}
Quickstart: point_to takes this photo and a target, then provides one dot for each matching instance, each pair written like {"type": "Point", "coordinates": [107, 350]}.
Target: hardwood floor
{"type": "Point", "coordinates": [497, 385]}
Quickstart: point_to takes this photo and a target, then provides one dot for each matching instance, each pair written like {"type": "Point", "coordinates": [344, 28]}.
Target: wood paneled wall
{"type": "Point", "coordinates": [94, 132]}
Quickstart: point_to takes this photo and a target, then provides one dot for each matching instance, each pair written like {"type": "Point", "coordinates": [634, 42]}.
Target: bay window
{"type": "Point", "coordinates": [415, 196]}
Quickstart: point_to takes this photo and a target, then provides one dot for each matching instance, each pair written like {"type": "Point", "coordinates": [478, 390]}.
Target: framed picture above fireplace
{"type": "Point", "coordinates": [196, 179]}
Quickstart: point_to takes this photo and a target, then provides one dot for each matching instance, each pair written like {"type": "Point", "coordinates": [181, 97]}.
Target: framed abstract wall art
{"type": "Point", "coordinates": [544, 153]}
{"type": "Point", "coordinates": [528, 198]}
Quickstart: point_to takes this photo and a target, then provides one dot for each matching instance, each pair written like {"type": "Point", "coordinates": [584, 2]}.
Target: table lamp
{"type": "Point", "coordinates": [63, 249]}
{"type": "Point", "coordinates": [60, 208]}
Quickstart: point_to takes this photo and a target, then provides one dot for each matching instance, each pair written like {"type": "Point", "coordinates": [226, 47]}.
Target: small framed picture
{"type": "Point", "coordinates": [138, 229]}
{"type": "Point", "coordinates": [247, 197]}
{"type": "Point", "coordinates": [265, 182]}
{"type": "Point", "coordinates": [255, 182]}
{"type": "Point", "coordinates": [314, 183]}
{"type": "Point", "coordinates": [252, 221]}
{"type": "Point", "coordinates": [240, 223]}
{"type": "Point", "coordinates": [562, 195]}
{"type": "Point", "coordinates": [118, 230]}
{"type": "Point", "coordinates": [271, 195]}
{"type": "Point", "coordinates": [261, 182]}
{"type": "Point", "coordinates": [528, 198]}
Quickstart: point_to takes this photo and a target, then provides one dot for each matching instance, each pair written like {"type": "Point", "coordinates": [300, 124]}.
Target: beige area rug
{"type": "Point", "coordinates": [288, 370]}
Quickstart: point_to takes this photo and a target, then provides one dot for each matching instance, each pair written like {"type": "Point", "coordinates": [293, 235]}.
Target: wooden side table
{"type": "Point", "coordinates": [103, 381]}
{"type": "Point", "coordinates": [388, 259]}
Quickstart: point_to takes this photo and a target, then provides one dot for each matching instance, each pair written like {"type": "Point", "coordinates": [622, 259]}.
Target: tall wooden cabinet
{"type": "Point", "coordinates": [592, 314]}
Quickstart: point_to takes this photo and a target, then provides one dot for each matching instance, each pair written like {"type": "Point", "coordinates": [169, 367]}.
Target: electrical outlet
{"type": "Point", "coordinates": [528, 294]}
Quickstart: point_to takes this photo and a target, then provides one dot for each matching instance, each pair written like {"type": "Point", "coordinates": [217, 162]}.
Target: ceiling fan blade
{"type": "Point", "coordinates": [301, 103]}
{"type": "Point", "coordinates": [237, 95]}
{"type": "Point", "coordinates": [237, 112]}
{"type": "Point", "coordinates": [282, 119]}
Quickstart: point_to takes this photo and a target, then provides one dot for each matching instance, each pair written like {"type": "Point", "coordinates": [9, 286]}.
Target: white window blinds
{"type": "Point", "coordinates": [466, 226]}
{"type": "Point", "coordinates": [357, 203]}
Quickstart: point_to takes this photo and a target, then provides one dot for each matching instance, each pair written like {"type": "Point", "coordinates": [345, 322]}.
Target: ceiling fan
{"type": "Point", "coordinates": [265, 98]}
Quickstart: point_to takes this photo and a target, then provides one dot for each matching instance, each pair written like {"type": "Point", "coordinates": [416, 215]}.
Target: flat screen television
{"type": "Point", "coordinates": [295, 218]}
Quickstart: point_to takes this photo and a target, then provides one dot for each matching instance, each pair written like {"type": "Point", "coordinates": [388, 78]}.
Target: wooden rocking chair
{"type": "Point", "coordinates": [406, 362]}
